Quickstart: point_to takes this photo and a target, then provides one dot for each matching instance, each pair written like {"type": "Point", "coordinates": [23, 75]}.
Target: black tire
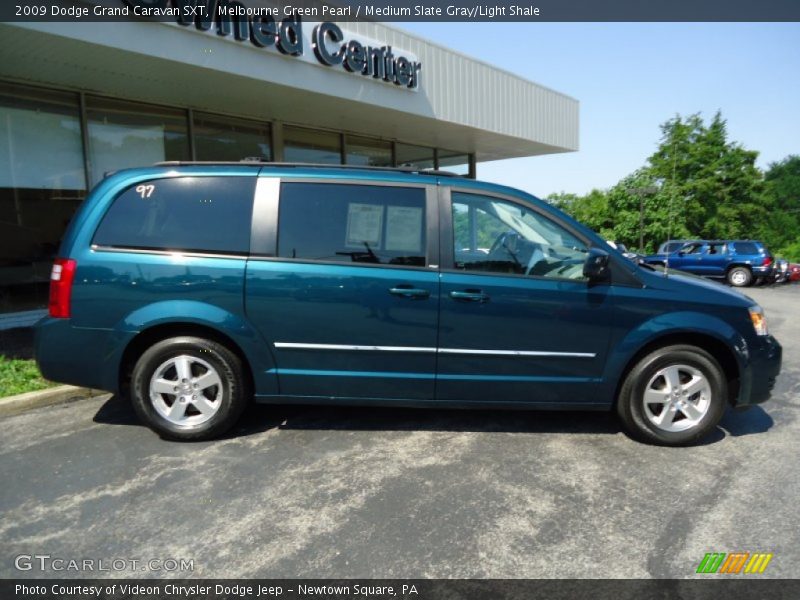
{"type": "Point", "coordinates": [230, 396]}
{"type": "Point", "coordinates": [740, 277]}
{"type": "Point", "coordinates": [631, 403]}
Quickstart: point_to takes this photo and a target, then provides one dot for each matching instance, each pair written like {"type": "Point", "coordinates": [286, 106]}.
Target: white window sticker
{"type": "Point", "coordinates": [364, 225]}
{"type": "Point", "coordinates": [404, 228]}
{"type": "Point", "coordinates": [145, 191]}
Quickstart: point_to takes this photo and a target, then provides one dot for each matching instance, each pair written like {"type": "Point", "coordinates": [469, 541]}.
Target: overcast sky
{"type": "Point", "coordinates": [631, 77]}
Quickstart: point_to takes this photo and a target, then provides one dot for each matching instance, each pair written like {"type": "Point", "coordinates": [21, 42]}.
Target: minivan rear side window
{"type": "Point", "coordinates": [200, 214]}
{"type": "Point", "coordinates": [352, 223]}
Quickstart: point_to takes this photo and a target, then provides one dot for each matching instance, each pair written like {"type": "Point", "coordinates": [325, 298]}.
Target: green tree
{"type": "Point", "coordinates": [697, 183]}
{"type": "Point", "coordinates": [781, 198]}
{"type": "Point", "coordinates": [642, 202]}
{"type": "Point", "coordinates": [592, 210]}
{"type": "Point", "coordinates": [714, 182]}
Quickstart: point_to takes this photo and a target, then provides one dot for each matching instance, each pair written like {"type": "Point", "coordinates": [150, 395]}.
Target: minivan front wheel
{"type": "Point", "coordinates": [674, 396]}
{"type": "Point", "coordinates": [188, 388]}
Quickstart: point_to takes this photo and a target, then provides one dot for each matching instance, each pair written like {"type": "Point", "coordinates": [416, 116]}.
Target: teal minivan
{"type": "Point", "coordinates": [195, 288]}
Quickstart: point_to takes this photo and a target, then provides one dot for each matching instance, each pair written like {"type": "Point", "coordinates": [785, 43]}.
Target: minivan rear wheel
{"type": "Point", "coordinates": [674, 396]}
{"type": "Point", "coordinates": [740, 277]}
{"type": "Point", "coordinates": [188, 388]}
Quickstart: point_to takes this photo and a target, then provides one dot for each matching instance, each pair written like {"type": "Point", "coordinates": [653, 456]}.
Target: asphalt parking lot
{"type": "Point", "coordinates": [341, 492]}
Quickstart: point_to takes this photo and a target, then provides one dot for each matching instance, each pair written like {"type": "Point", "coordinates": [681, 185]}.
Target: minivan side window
{"type": "Point", "coordinates": [352, 223]}
{"type": "Point", "coordinates": [200, 214]}
{"type": "Point", "coordinates": [493, 235]}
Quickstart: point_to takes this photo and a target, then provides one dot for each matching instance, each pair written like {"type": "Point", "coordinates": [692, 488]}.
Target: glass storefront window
{"type": "Point", "coordinates": [310, 146]}
{"type": "Point", "coordinates": [42, 182]}
{"type": "Point", "coordinates": [127, 134]}
{"type": "Point", "coordinates": [33, 119]}
{"type": "Point", "coordinates": [227, 138]}
{"type": "Point", "coordinates": [419, 157]}
{"type": "Point", "coordinates": [43, 177]}
{"type": "Point", "coordinates": [454, 162]}
{"type": "Point", "coordinates": [368, 152]}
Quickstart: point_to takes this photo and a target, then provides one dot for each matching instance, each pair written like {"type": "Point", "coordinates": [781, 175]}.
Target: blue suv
{"type": "Point", "coordinates": [739, 262]}
{"type": "Point", "coordinates": [196, 288]}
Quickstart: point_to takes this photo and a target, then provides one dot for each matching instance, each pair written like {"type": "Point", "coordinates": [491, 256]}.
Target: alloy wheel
{"type": "Point", "coordinates": [186, 390]}
{"type": "Point", "coordinates": [677, 398]}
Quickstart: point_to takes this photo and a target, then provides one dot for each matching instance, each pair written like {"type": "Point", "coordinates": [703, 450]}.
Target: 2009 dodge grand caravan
{"type": "Point", "coordinates": [194, 288]}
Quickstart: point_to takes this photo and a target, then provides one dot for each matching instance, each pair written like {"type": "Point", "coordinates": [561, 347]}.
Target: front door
{"type": "Point", "coordinates": [518, 321]}
{"type": "Point", "coordinates": [688, 258]}
{"type": "Point", "coordinates": [715, 260]}
{"type": "Point", "coordinates": [349, 304]}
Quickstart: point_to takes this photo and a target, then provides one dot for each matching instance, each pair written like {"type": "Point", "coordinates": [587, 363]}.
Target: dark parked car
{"type": "Point", "coordinates": [195, 288]}
{"type": "Point", "coordinates": [739, 262]}
{"type": "Point", "coordinates": [671, 246]}
{"type": "Point", "coordinates": [623, 249]}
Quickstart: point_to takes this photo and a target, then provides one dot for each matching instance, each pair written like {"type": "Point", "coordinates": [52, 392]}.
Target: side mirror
{"type": "Point", "coordinates": [681, 253]}
{"type": "Point", "coordinates": [596, 266]}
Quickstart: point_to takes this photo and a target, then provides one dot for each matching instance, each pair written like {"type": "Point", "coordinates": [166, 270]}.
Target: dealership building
{"type": "Point", "coordinates": [80, 99]}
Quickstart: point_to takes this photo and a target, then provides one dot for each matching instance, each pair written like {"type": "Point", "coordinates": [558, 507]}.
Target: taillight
{"type": "Point", "coordinates": [61, 287]}
{"type": "Point", "coordinates": [767, 261]}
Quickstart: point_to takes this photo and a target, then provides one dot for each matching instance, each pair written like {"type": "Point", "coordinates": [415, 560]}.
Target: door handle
{"type": "Point", "coordinates": [409, 292]}
{"type": "Point", "coordinates": [470, 296]}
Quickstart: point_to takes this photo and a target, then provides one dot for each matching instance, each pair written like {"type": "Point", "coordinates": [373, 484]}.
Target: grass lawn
{"type": "Point", "coordinates": [18, 376]}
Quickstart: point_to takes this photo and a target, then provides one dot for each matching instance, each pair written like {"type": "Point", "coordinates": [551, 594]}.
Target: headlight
{"type": "Point", "coordinates": [759, 320]}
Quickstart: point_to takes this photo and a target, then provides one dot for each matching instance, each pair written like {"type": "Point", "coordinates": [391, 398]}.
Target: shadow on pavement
{"type": "Point", "coordinates": [418, 419]}
{"type": "Point", "coordinates": [261, 417]}
{"type": "Point", "coordinates": [748, 422]}
{"type": "Point", "coordinates": [116, 411]}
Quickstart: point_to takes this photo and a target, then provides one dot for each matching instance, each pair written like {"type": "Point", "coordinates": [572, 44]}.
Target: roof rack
{"type": "Point", "coordinates": [257, 161]}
